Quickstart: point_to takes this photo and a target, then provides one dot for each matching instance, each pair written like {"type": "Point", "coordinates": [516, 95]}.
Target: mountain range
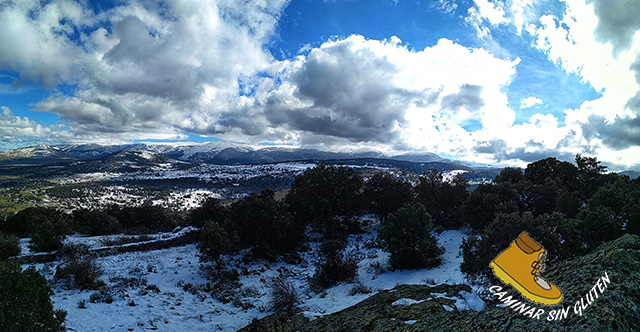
{"type": "Point", "coordinates": [221, 153]}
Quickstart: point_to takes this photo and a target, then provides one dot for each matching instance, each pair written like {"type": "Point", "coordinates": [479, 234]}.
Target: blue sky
{"type": "Point", "coordinates": [499, 82]}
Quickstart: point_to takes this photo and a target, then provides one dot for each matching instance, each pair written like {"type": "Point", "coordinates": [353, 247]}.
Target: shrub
{"type": "Point", "coordinates": [214, 241]}
{"type": "Point", "coordinates": [359, 289]}
{"type": "Point", "coordinates": [225, 282]}
{"type": "Point", "coordinates": [334, 266]}
{"type": "Point", "coordinates": [559, 235]}
{"type": "Point", "coordinates": [443, 199]}
{"type": "Point", "coordinates": [9, 246]}
{"type": "Point", "coordinates": [143, 219]}
{"type": "Point", "coordinates": [338, 228]}
{"type": "Point", "coordinates": [78, 268]}
{"type": "Point", "coordinates": [386, 194]}
{"type": "Point", "coordinates": [407, 236]}
{"type": "Point", "coordinates": [95, 222]}
{"type": "Point", "coordinates": [324, 192]}
{"type": "Point", "coordinates": [283, 294]}
{"type": "Point", "coordinates": [27, 221]}
{"type": "Point", "coordinates": [101, 296]}
{"type": "Point", "coordinates": [265, 225]}
{"type": "Point", "coordinates": [210, 210]}
{"type": "Point", "coordinates": [489, 199]}
{"type": "Point", "coordinates": [45, 238]}
{"type": "Point", "coordinates": [25, 303]}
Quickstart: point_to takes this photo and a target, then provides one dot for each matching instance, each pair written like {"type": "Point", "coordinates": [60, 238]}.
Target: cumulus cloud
{"type": "Point", "coordinates": [604, 126]}
{"type": "Point", "coordinates": [621, 133]}
{"type": "Point", "coordinates": [35, 41]}
{"type": "Point", "coordinates": [540, 136]}
{"type": "Point", "coordinates": [468, 97]}
{"type": "Point", "coordinates": [492, 11]}
{"type": "Point", "coordinates": [530, 102]}
{"type": "Point", "coordinates": [15, 128]}
{"type": "Point", "coordinates": [147, 69]}
{"type": "Point", "coordinates": [141, 66]}
{"type": "Point", "coordinates": [359, 90]}
{"type": "Point", "coordinates": [160, 70]}
{"type": "Point", "coordinates": [618, 24]}
{"type": "Point", "coordinates": [523, 13]}
{"type": "Point", "coordinates": [618, 21]}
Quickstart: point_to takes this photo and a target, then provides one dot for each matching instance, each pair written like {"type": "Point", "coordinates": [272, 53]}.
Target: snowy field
{"type": "Point", "coordinates": [161, 289]}
{"type": "Point", "coordinates": [207, 173]}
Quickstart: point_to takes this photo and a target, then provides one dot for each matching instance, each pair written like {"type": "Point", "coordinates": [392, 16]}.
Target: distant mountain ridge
{"type": "Point", "coordinates": [222, 153]}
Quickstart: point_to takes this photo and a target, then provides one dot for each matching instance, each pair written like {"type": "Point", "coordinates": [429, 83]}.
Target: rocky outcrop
{"type": "Point", "coordinates": [424, 308]}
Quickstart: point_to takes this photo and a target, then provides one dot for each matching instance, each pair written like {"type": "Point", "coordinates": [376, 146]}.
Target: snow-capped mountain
{"type": "Point", "coordinates": [196, 161]}
{"type": "Point", "coordinates": [223, 153]}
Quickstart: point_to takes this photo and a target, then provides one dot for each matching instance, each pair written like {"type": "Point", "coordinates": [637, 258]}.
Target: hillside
{"type": "Point", "coordinates": [95, 175]}
{"type": "Point", "coordinates": [430, 308]}
{"type": "Point", "coordinates": [219, 153]}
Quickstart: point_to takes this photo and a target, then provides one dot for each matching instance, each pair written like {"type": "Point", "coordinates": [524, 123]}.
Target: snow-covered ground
{"type": "Point", "coordinates": [208, 173]}
{"type": "Point", "coordinates": [137, 306]}
{"type": "Point", "coordinates": [216, 181]}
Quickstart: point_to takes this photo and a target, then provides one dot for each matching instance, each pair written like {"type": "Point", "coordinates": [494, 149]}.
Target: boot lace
{"type": "Point", "coordinates": [538, 266]}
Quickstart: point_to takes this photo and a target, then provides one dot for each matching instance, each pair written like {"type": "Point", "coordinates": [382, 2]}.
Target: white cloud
{"type": "Point", "coordinates": [379, 91]}
{"type": "Point", "coordinates": [492, 11]}
{"type": "Point", "coordinates": [36, 44]}
{"type": "Point", "coordinates": [445, 6]}
{"type": "Point", "coordinates": [144, 71]}
{"type": "Point", "coordinates": [159, 70]}
{"type": "Point", "coordinates": [475, 19]}
{"type": "Point", "coordinates": [569, 41]}
{"type": "Point", "coordinates": [482, 15]}
{"type": "Point", "coordinates": [152, 70]}
{"type": "Point", "coordinates": [523, 13]}
{"type": "Point", "coordinates": [13, 127]}
{"type": "Point", "coordinates": [530, 102]}
{"type": "Point", "coordinates": [609, 63]}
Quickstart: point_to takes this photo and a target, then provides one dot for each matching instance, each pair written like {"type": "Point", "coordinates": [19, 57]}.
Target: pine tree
{"type": "Point", "coordinates": [407, 235]}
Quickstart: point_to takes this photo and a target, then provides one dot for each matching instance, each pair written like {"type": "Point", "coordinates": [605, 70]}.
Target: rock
{"type": "Point", "coordinates": [616, 309]}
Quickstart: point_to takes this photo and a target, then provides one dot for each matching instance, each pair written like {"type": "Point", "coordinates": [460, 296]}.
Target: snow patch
{"type": "Point", "coordinates": [175, 307]}
{"type": "Point", "coordinates": [406, 301]}
{"type": "Point", "coordinates": [464, 301]}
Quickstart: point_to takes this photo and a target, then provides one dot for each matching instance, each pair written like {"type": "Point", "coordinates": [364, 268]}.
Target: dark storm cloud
{"type": "Point", "coordinates": [622, 132]}
{"type": "Point", "coordinates": [619, 134]}
{"type": "Point", "coordinates": [150, 66]}
{"type": "Point", "coordinates": [530, 156]}
{"type": "Point", "coordinates": [618, 20]}
{"type": "Point", "coordinates": [495, 147]}
{"type": "Point", "coordinates": [347, 92]}
{"type": "Point", "coordinates": [532, 151]}
{"type": "Point", "coordinates": [468, 97]}
{"type": "Point", "coordinates": [634, 103]}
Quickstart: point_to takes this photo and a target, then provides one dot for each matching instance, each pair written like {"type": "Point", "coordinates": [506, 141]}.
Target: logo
{"type": "Point", "coordinates": [521, 266]}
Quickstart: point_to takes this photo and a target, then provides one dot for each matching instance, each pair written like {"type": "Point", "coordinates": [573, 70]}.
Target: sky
{"type": "Point", "coordinates": [492, 82]}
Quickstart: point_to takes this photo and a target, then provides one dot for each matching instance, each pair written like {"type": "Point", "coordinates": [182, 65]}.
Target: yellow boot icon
{"type": "Point", "coordinates": [521, 265]}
